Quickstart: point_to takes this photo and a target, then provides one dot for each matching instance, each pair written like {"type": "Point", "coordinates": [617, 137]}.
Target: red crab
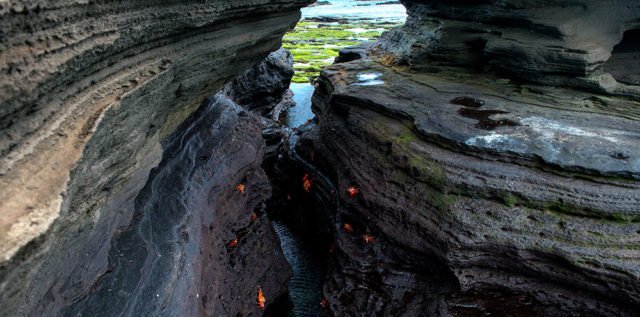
{"type": "Point", "coordinates": [367, 238]}
{"type": "Point", "coordinates": [307, 182]}
{"type": "Point", "coordinates": [324, 303]}
{"type": "Point", "coordinates": [260, 299]}
{"type": "Point", "coordinates": [353, 191]}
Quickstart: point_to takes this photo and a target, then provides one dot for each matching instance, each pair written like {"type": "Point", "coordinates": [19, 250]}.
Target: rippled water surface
{"type": "Point", "coordinates": [305, 286]}
{"type": "Point", "coordinates": [350, 9]}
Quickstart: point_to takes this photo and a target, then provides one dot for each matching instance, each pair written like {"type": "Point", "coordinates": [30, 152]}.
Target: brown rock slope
{"type": "Point", "coordinates": [116, 196]}
{"type": "Point", "coordinates": [485, 191]}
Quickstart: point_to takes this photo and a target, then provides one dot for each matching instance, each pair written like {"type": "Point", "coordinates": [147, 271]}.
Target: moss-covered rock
{"type": "Point", "coordinates": [315, 44]}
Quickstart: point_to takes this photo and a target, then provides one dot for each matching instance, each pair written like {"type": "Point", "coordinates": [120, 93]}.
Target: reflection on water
{"type": "Point", "coordinates": [369, 79]}
{"type": "Point", "coordinates": [299, 114]}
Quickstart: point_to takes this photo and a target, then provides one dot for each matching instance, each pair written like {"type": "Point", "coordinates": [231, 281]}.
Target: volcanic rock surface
{"type": "Point", "coordinates": [586, 43]}
{"type": "Point", "coordinates": [485, 190]}
{"type": "Point", "coordinates": [264, 90]}
{"type": "Point", "coordinates": [117, 184]}
{"type": "Point", "coordinates": [265, 86]}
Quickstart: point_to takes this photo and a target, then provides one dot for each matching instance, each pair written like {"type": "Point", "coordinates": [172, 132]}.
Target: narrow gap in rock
{"type": "Point", "coordinates": [303, 218]}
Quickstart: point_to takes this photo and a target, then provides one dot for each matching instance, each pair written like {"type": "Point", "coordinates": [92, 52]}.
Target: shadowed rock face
{"type": "Point", "coordinates": [623, 64]}
{"type": "Point", "coordinates": [115, 196]}
{"type": "Point", "coordinates": [261, 89]}
{"type": "Point", "coordinates": [486, 192]}
{"type": "Point", "coordinates": [450, 214]}
{"type": "Point", "coordinates": [174, 254]}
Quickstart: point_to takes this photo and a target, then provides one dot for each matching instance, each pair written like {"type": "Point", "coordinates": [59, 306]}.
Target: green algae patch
{"type": "Point", "coordinates": [509, 199]}
{"type": "Point", "coordinates": [420, 163]}
{"type": "Point", "coordinates": [567, 209]}
{"type": "Point", "coordinates": [396, 148]}
{"type": "Point", "coordinates": [314, 44]}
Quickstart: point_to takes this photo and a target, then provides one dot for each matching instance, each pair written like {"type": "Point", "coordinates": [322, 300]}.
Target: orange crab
{"type": "Point", "coordinates": [260, 299]}
{"type": "Point", "coordinates": [347, 227]}
{"type": "Point", "coordinates": [307, 182]}
{"type": "Point", "coordinates": [367, 238]}
{"type": "Point", "coordinates": [233, 243]}
{"type": "Point", "coordinates": [240, 187]}
{"type": "Point", "coordinates": [353, 191]}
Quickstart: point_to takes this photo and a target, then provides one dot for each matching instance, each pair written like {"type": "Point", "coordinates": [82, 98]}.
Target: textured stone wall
{"type": "Point", "coordinates": [551, 42]}
{"type": "Point", "coordinates": [486, 190]}
{"type": "Point", "coordinates": [262, 88]}
{"type": "Point", "coordinates": [100, 192]}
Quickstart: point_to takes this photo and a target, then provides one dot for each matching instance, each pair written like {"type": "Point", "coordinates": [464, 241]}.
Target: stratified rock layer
{"type": "Point", "coordinates": [112, 203]}
{"type": "Point", "coordinates": [176, 255]}
{"type": "Point", "coordinates": [587, 43]}
{"type": "Point", "coordinates": [484, 191]}
{"type": "Point", "coordinates": [482, 215]}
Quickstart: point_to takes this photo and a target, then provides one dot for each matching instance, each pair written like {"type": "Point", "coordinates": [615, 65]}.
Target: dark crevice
{"type": "Point", "coordinates": [302, 219]}
{"type": "Point", "coordinates": [624, 63]}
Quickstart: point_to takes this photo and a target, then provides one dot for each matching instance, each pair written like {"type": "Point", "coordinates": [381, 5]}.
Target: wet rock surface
{"type": "Point", "coordinates": [509, 118]}
{"type": "Point", "coordinates": [480, 192]}
{"type": "Point", "coordinates": [117, 183]}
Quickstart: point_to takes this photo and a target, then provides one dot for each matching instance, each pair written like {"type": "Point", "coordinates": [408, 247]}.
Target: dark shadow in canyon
{"type": "Point", "coordinates": [623, 63]}
{"type": "Point", "coordinates": [302, 220]}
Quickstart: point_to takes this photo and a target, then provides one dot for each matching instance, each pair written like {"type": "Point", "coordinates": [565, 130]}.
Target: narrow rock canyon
{"type": "Point", "coordinates": [118, 175]}
{"type": "Point", "coordinates": [483, 159]}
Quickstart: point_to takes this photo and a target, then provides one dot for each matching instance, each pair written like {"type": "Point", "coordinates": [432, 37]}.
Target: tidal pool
{"type": "Point", "coordinates": [369, 79]}
{"type": "Point", "coordinates": [326, 29]}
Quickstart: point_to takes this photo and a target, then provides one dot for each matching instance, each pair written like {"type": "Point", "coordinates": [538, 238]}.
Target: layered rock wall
{"type": "Point", "coordinates": [484, 190]}
{"type": "Point", "coordinates": [116, 198]}
{"type": "Point", "coordinates": [575, 43]}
